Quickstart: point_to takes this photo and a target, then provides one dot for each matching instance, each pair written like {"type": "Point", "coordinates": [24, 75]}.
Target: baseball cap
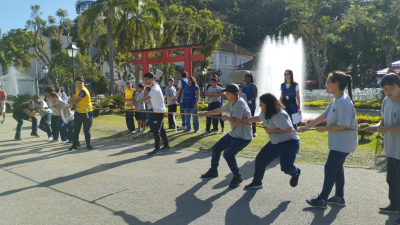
{"type": "Point", "coordinates": [231, 88]}
{"type": "Point", "coordinates": [35, 97]}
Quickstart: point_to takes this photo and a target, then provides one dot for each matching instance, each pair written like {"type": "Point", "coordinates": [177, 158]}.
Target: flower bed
{"type": "Point", "coordinates": [360, 119]}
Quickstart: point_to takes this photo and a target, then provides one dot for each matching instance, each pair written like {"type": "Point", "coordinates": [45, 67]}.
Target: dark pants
{"type": "Point", "coordinates": [150, 117]}
{"type": "Point", "coordinates": [54, 130]}
{"type": "Point", "coordinates": [393, 180]}
{"type": "Point", "coordinates": [334, 174]}
{"type": "Point", "coordinates": [212, 106]}
{"type": "Point", "coordinates": [130, 121]}
{"type": "Point", "coordinates": [158, 130]}
{"type": "Point", "coordinates": [20, 120]}
{"type": "Point", "coordinates": [171, 109]}
{"type": "Point", "coordinates": [87, 121]}
{"type": "Point", "coordinates": [220, 120]}
{"type": "Point", "coordinates": [254, 124]}
{"type": "Point", "coordinates": [286, 151]}
{"type": "Point", "coordinates": [44, 124]}
{"type": "Point", "coordinates": [66, 129]}
{"type": "Point", "coordinates": [232, 146]}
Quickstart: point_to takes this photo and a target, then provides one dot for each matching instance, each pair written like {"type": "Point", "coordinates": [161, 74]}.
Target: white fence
{"type": "Point", "coordinates": [358, 95]}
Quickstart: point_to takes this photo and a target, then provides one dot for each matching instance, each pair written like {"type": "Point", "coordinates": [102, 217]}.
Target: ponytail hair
{"type": "Point", "coordinates": [344, 81]}
{"type": "Point", "coordinates": [250, 75]}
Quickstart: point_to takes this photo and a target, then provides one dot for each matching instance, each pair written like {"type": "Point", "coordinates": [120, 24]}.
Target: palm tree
{"type": "Point", "coordinates": [98, 10]}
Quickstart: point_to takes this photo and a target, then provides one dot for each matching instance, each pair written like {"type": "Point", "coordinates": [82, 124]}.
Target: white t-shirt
{"type": "Point", "coordinates": [288, 85]}
{"type": "Point", "coordinates": [157, 99]}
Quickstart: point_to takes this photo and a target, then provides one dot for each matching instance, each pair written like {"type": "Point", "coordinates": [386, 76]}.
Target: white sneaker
{"type": "Point", "coordinates": [182, 128]}
{"type": "Point", "coordinates": [206, 132]}
{"type": "Point", "coordinates": [50, 139]}
{"type": "Point", "coordinates": [65, 142]}
{"type": "Point", "coordinates": [223, 132]}
{"type": "Point", "coordinates": [215, 132]}
{"type": "Point", "coordinates": [3, 121]}
{"type": "Point", "coordinates": [134, 131]}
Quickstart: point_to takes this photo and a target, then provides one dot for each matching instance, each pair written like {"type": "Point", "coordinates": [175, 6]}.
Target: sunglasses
{"type": "Point", "coordinates": [286, 74]}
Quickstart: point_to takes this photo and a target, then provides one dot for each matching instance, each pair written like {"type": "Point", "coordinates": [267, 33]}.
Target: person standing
{"type": "Point", "coordinates": [390, 127]}
{"type": "Point", "coordinates": [342, 138]}
{"type": "Point", "coordinates": [179, 95]}
{"type": "Point", "coordinates": [250, 89]}
{"type": "Point", "coordinates": [25, 112]}
{"type": "Point", "coordinates": [170, 93]}
{"type": "Point", "coordinates": [241, 94]}
{"type": "Point", "coordinates": [234, 141]}
{"type": "Point", "coordinates": [284, 142]}
{"type": "Point", "coordinates": [157, 100]}
{"type": "Point", "coordinates": [3, 97]}
{"type": "Point", "coordinates": [45, 112]}
{"type": "Point", "coordinates": [128, 96]}
{"type": "Point", "coordinates": [290, 96]}
{"type": "Point", "coordinates": [65, 123]}
{"type": "Point", "coordinates": [83, 113]}
{"type": "Point", "coordinates": [140, 116]}
{"type": "Point", "coordinates": [190, 104]}
{"type": "Point", "coordinates": [214, 94]}
{"type": "Point", "coordinates": [63, 96]}
{"type": "Point", "coordinates": [54, 118]}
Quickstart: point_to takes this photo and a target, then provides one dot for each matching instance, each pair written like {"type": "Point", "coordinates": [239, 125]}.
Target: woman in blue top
{"type": "Point", "coordinates": [250, 89]}
{"type": "Point", "coordinates": [342, 138]}
{"type": "Point", "coordinates": [289, 94]}
{"type": "Point", "coordinates": [191, 95]}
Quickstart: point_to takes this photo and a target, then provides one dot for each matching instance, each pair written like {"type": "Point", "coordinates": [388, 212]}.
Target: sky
{"type": "Point", "coordinates": [15, 13]}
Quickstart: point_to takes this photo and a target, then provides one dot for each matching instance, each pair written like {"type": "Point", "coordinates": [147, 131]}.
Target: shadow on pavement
{"type": "Point", "coordinates": [319, 217]}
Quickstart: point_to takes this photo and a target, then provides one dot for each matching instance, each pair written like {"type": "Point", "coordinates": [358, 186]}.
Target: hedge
{"type": "Point", "coordinates": [357, 105]}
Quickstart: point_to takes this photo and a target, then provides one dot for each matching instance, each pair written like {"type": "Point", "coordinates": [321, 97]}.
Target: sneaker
{"type": "Point", "coordinates": [210, 173]}
{"type": "Point", "coordinates": [182, 128]}
{"type": "Point", "coordinates": [71, 141]}
{"type": "Point", "coordinates": [17, 139]}
{"type": "Point", "coordinates": [129, 132]}
{"type": "Point", "coordinates": [255, 135]}
{"type": "Point", "coordinates": [295, 180]}
{"type": "Point", "coordinates": [50, 139]}
{"type": "Point", "coordinates": [317, 203]}
{"type": "Point", "coordinates": [89, 147]}
{"type": "Point", "coordinates": [3, 121]}
{"type": "Point", "coordinates": [79, 144]}
{"type": "Point", "coordinates": [143, 131]}
{"type": "Point", "coordinates": [236, 180]}
{"type": "Point", "coordinates": [206, 132]}
{"type": "Point", "coordinates": [65, 142]}
{"type": "Point", "coordinates": [154, 152]}
{"type": "Point", "coordinates": [397, 222]}
{"type": "Point", "coordinates": [223, 131]}
{"type": "Point", "coordinates": [215, 132]}
{"type": "Point", "coordinates": [73, 147]}
{"type": "Point", "coordinates": [165, 149]}
{"type": "Point", "coordinates": [196, 131]}
{"type": "Point", "coordinates": [186, 131]}
{"type": "Point", "coordinates": [389, 209]}
{"type": "Point", "coordinates": [337, 201]}
{"type": "Point", "coordinates": [35, 135]}
{"type": "Point", "coordinates": [133, 132]}
{"type": "Point", "coordinates": [252, 186]}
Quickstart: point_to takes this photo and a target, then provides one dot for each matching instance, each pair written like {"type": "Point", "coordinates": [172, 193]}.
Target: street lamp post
{"type": "Point", "coordinates": [72, 50]}
{"type": "Point", "coordinates": [45, 70]}
{"type": "Point", "coordinates": [204, 74]}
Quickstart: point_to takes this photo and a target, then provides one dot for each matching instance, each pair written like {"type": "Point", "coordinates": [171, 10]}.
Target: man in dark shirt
{"type": "Point", "coordinates": [25, 112]}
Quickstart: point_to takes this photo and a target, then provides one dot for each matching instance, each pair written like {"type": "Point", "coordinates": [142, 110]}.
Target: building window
{"type": "Point", "coordinates": [233, 60]}
{"type": "Point", "coordinates": [226, 60]}
{"type": "Point", "coordinates": [220, 58]}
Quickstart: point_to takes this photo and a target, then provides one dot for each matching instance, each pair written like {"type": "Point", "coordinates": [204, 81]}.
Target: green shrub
{"type": "Point", "coordinates": [19, 99]}
{"type": "Point", "coordinates": [357, 105]}
{"type": "Point", "coordinates": [364, 135]}
{"type": "Point", "coordinates": [118, 102]}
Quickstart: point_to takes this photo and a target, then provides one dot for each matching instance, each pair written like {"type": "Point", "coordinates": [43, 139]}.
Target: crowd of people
{"type": "Point", "coordinates": [276, 116]}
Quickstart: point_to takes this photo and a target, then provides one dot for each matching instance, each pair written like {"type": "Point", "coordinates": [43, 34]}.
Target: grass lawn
{"type": "Point", "coordinates": [313, 145]}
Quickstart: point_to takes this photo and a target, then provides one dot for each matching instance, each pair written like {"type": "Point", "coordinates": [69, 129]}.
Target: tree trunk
{"type": "Point", "coordinates": [137, 46]}
{"type": "Point", "coordinates": [110, 54]}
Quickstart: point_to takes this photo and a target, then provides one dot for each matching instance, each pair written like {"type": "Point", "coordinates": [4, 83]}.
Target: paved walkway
{"type": "Point", "coordinates": [117, 183]}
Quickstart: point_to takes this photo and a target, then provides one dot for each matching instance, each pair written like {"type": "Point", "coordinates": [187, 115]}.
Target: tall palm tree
{"type": "Point", "coordinates": [96, 10]}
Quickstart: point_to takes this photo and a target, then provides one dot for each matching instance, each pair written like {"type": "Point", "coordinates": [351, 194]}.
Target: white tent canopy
{"type": "Point", "coordinates": [16, 83]}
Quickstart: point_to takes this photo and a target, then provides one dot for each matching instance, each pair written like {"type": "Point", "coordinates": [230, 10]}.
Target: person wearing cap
{"type": "Point", "coordinates": [128, 96]}
{"type": "Point", "coordinates": [234, 141]}
{"type": "Point", "coordinates": [250, 89]}
{"type": "Point", "coordinates": [170, 93]}
{"type": "Point", "coordinates": [65, 123]}
{"type": "Point", "coordinates": [44, 111]}
{"type": "Point", "coordinates": [25, 112]}
{"type": "Point", "coordinates": [3, 97]}
{"type": "Point", "coordinates": [83, 113]}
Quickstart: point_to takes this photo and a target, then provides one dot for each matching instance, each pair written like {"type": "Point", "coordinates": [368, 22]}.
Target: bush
{"type": "Point", "coordinates": [118, 102]}
{"type": "Point", "coordinates": [363, 134]}
{"type": "Point", "coordinates": [368, 119]}
{"type": "Point", "coordinates": [357, 105]}
{"type": "Point", "coordinates": [19, 99]}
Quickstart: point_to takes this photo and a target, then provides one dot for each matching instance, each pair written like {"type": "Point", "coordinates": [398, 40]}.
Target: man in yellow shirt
{"type": "Point", "coordinates": [83, 113]}
{"type": "Point", "coordinates": [129, 94]}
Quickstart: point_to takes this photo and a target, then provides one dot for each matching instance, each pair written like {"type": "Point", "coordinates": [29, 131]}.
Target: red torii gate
{"type": "Point", "coordinates": [187, 57]}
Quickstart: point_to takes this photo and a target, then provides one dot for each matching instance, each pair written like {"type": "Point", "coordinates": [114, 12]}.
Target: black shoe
{"type": "Point", "coordinates": [253, 186]}
{"type": "Point", "coordinates": [389, 209]}
{"type": "Point", "coordinates": [35, 135]}
{"type": "Point", "coordinates": [337, 201]}
{"type": "Point", "coordinates": [73, 147]}
{"type": "Point", "coordinates": [317, 202]}
{"type": "Point", "coordinates": [154, 152]}
{"type": "Point", "coordinates": [236, 180]}
{"type": "Point", "coordinates": [89, 147]}
{"type": "Point", "coordinates": [17, 139]}
{"type": "Point", "coordinates": [210, 173]}
{"type": "Point", "coordinates": [79, 144]}
{"type": "Point", "coordinates": [165, 149]}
